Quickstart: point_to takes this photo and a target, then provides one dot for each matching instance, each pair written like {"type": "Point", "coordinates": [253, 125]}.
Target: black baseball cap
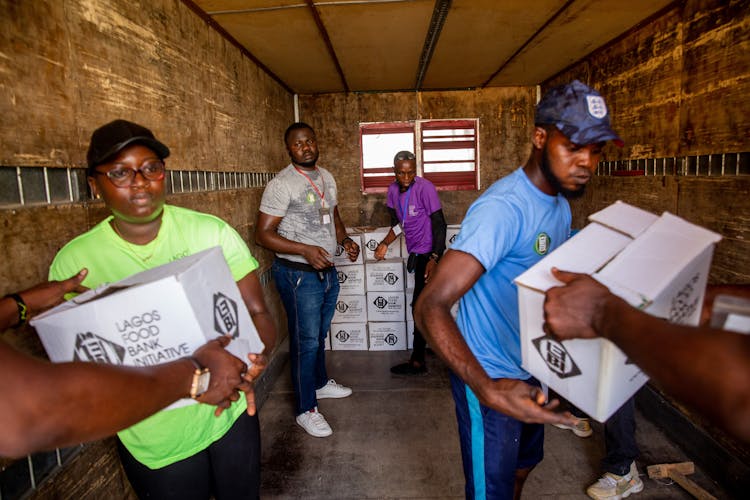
{"type": "Point", "coordinates": [579, 112]}
{"type": "Point", "coordinates": [110, 139]}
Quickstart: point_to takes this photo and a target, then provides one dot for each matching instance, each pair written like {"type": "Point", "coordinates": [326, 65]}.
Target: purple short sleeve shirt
{"type": "Point", "coordinates": [423, 201]}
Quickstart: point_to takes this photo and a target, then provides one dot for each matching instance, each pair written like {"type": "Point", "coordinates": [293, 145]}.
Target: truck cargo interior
{"type": "Point", "coordinates": [219, 82]}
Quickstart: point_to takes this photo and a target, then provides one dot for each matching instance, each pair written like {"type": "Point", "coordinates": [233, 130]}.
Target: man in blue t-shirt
{"type": "Point", "coordinates": [514, 224]}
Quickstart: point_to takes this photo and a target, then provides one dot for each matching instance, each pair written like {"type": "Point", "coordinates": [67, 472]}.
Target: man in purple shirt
{"type": "Point", "coordinates": [415, 211]}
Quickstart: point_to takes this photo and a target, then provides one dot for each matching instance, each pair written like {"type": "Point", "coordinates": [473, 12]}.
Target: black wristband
{"type": "Point", "coordinates": [23, 309]}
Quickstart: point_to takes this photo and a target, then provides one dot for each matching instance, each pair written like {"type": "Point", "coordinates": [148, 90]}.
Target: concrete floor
{"type": "Point", "coordinates": [395, 437]}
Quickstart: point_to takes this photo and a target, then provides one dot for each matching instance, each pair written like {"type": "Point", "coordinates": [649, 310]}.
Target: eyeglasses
{"type": "Point", "coordinates": [123, 177]}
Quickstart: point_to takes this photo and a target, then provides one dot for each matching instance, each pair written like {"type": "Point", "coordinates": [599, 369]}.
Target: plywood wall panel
{"type": "Point", "coordinates": [76, 65]}
{"type": "Point", "coordinates": [678, 85]}
{"type": "Point", "coordinates": [723, 205]}
{"type": "Point", "coordinates": [716, 79]}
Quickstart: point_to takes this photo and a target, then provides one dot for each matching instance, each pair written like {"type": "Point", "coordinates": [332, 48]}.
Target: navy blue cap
{"type": "Point", "coordinates": [579, 112]}
{"type": "Point", "coordinates": [110, 139]}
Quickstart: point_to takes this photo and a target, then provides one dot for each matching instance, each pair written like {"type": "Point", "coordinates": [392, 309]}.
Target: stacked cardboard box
{"type": "Point", "coordinates": [374, 306]}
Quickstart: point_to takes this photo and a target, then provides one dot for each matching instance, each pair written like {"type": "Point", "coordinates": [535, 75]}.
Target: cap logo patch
{"type": "Point", "coordinates": [596, 106]}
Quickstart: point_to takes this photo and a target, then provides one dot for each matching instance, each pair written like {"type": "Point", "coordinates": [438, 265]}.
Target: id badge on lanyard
{"type": "Point", "coordinates": [325, 212]}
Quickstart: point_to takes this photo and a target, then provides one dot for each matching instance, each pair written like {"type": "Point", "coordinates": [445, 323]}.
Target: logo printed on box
{"type": "Point", "coordinates": [390, 339]}
{"type": "Point", "coordinates": [342, 336]}
{"type": "Point", "coordinates": [390, 278]}
{"type": "Point", "coordinates": [226, 319]}
{"type": "Point", "coordinates": [93, 348]}
{"type": "Point", "coordinates": [380, 302]}
{"type": "Point", "coordinates": [557, 357]}
{"type": "Point", "coordinates": [342, 306]}
{"type": "Point", "coordinates": [452, 238]}
{"type": "Point", "coordinates": [372, 244]}
{"type": "Point", "coordinates": [341, 276]}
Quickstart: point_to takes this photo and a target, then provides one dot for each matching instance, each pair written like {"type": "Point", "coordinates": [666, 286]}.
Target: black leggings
{"type": "Point", "coordinates": [228, 469]}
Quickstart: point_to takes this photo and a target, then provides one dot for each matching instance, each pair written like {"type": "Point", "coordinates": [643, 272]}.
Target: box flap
{"type": "Point", "coordinates": [590, 249]}
{"type": "Point", "coordinates": [655, 257]}
{"type": "Point", "coordinates": [170, 269]}
{"type": "Point", "coordinates": [624, 218]}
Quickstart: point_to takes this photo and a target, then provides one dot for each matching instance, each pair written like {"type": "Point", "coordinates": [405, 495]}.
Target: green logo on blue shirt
{"type": "Point", "coordinates": [542, 243]}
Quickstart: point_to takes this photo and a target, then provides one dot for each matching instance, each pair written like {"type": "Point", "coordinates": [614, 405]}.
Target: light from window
{"type": "Point", "coordinates": [379, 144]}
{"type": "Point", "coordinates": [446, 152]}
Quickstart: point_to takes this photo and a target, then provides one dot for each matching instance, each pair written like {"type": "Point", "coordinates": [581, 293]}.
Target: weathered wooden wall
{"type": "Point", "coordinates": [505, 120]}
{"type": "Point", "coordinates": [679, 86]}
{"type": "Point", "coordinates": [69, 67]}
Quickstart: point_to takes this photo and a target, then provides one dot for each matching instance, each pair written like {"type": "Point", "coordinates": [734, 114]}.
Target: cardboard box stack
{"type": "Point", "coordinates": [374, 306]}
{"type": "Point", "coordinates": [659, 264]}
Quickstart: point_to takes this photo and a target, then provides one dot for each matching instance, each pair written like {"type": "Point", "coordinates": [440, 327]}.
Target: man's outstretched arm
{"type": "Point", "coordinates": [706, 368]}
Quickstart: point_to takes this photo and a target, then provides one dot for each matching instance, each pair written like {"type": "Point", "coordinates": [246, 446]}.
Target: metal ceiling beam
{"type": "Point", "coordinates": [527, 42]}
{"type": "Point", "coordinates": [216, 26]}
{"type": "Point", "coordinates": [439, 13]}
{"type": "Point", "coordinates": [324, 34]}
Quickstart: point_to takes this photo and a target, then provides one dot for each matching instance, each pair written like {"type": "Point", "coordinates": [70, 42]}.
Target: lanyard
{"type": "Point", "coordinates": [321, 194]}
{"type": "Point", "coordinates": [405, 207]}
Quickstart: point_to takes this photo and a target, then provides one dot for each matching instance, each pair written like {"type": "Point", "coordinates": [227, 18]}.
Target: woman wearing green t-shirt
{"type": "Point", "coordinates": [187, 452]}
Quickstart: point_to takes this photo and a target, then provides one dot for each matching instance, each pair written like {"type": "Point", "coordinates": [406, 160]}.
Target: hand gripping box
{"type": "Point", "coordinates": [341, 258]}
{"type": "Point", "coordinates": [658, 264]}
{"type": "Point", "coordinates": [152, 317]}
{"type": "Point", "coordinates": [371, 237]}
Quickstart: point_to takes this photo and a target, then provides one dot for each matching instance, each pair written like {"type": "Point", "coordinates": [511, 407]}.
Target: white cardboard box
{"type": "Point", "coordinates": [390, 336]}
{"type": "Point", "coordinates": [341, 258]}
{"type": "Point", "coordinates": [385, 276]}
{"type": "Point", "coordinates": [385, 306]}
{"type": "Point", "coordinates": [351, 279]}
{"type": "Point", "coordinates": [350, 309]}
{"type": "Point", "coordinates": [451, 231]}
{"type": "Point", "coordinates": [349, 336]}
{"type": "Point", "coordinates": [658, 264]}
{"type": "Point", "coordinates": [371, 239]}
{"type": "Point", "coordinates": [152, 317]}
{"type": "Point", "coordinates": [410, 334]}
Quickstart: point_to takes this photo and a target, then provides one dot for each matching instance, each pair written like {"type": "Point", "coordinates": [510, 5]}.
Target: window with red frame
{"type": "Point", "coordinates": [446, 152]}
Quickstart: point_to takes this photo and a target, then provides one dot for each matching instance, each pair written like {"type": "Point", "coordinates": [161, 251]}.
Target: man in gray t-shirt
{"type": "Point", "coordinates": [299, 221]}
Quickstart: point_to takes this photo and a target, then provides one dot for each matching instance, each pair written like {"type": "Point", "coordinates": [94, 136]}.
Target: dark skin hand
{"type": "Point", "coordinates": [707, 368]}
{"type": "Point", "coordinates": [454, 276]}
{"type": "Point", "coordinates": [41, 297]}
{"type": "Point", "coordinates": [252, 294]}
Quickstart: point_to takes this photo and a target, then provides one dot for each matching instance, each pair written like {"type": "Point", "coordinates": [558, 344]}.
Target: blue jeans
{"type": "Point", "coordinates": [309, 302]}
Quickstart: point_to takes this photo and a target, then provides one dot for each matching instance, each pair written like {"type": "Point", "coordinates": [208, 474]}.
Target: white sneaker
{"type": "Point", "coordinates": [314, 423]}
{"type": "Point", "coordinates": [582, 427]}
{"type": "Point", "coordinates": [613, 487]}
{"type": "Point", "coordinates": [332, 390]}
